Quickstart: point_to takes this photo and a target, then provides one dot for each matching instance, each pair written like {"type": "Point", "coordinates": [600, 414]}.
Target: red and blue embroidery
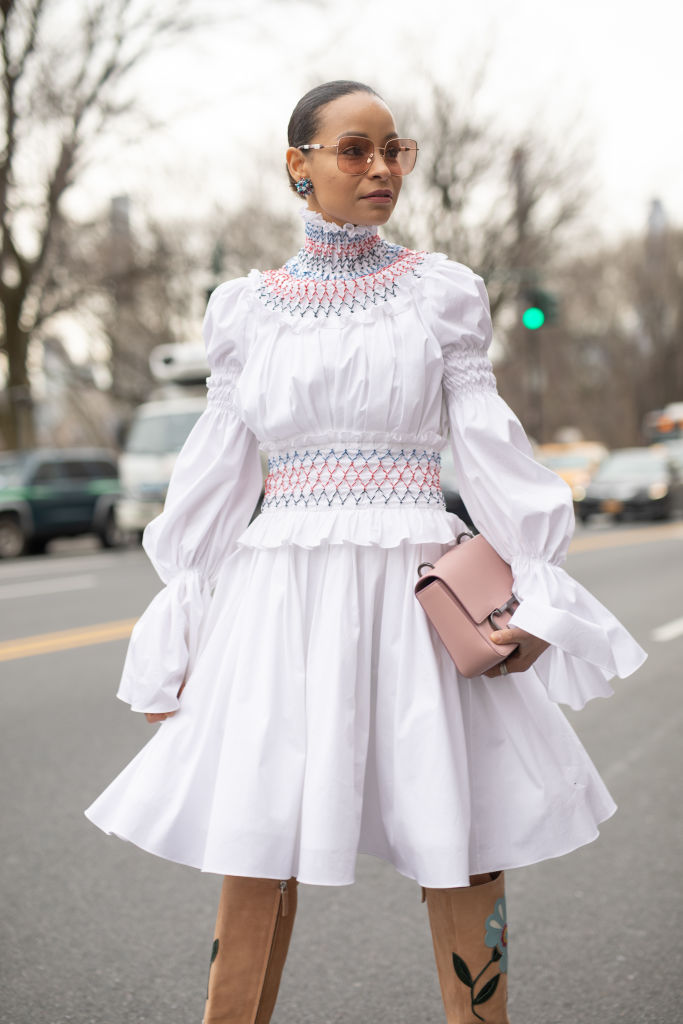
{"type": "Point", "coordinates": [338, 271]}
{"type": "Point", "coordinates": [353, 477]}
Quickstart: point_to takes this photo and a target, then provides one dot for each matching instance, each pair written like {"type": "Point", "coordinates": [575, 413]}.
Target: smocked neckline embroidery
{"type": "Point", "coordinates": [337, 270]}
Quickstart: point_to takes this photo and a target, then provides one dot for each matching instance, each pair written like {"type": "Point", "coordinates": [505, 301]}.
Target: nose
{"type": "Point", "coordinates": [378, 167]}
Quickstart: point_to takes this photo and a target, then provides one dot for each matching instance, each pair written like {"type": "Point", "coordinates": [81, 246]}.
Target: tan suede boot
{"type": "Point", "coordinates": [253, 929]}
{"type": "Point", "coordinates": [469, 931]}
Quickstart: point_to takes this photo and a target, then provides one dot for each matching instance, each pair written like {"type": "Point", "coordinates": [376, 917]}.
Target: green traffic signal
{"type": "Point", "coordinates": [533, 318]}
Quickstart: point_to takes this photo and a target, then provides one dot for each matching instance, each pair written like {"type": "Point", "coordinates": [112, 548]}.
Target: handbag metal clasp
{"type": "Point", "coordinates": [509, 605]}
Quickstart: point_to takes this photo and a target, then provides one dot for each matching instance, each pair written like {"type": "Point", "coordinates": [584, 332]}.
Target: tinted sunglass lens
{"type": "Point", "coordinates": [354, 155]}
{"type": "Point", "coordinates": [393, 157]}
{"type": "Point", "coordinates": [402, 153]}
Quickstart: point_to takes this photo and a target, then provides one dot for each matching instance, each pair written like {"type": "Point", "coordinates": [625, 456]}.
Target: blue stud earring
{"type": "Point", "coordinates": [304, 186]}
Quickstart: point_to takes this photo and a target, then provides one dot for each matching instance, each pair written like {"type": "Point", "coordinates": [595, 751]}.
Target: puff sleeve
{"type": "Point", "coordinates": [522, 508]}
{"type": "Point", "coordinates": [213, 490]}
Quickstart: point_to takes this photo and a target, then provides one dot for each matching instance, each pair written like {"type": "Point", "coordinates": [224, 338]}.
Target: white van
{"type": "Point", "coordinates": [158, 432]}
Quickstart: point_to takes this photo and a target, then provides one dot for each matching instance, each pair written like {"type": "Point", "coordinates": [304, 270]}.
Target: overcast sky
{"type": "Point", "coordinates": [613, 66]}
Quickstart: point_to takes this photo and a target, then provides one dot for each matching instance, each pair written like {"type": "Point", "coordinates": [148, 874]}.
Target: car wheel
{"type": "Point", "coordinates": [110, 535]}
{"type": "Point", "coordinates": [12, 540]}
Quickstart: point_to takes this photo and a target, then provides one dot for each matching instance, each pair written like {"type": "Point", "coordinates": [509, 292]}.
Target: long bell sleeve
{"type": "Point", "coordinates": [213, 490]}
{"type": "Point", "coordinates": [523, 509]}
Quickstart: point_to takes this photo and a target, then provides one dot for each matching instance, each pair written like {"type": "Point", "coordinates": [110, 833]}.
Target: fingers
{"type": "Point", "coordinates": [494, 672]}
{"type": "Point", "coordinates": [511, 666]}
{"type": "Point", "coordinates": [528, 649]}
{"type": "Point", "coordinates": [158, 716]}
{"type": "Point", "coordinates": [512, 635]}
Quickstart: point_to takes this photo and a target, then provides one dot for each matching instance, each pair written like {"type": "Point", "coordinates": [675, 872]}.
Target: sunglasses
{"type": "Point", "coordinates": [355, 154]}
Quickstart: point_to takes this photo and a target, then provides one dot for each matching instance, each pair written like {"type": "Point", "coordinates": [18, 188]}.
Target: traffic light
{"type": "Point", "coordinates": [540, 307]}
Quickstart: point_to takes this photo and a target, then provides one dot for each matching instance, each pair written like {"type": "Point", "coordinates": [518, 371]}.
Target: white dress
{"type": "Point", "coordinates": [321, 716]}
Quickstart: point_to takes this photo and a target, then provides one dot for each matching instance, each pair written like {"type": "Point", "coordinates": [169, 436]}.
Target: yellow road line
{"type": "Point", "coordinates": [624, 538]}
{"type": "Point", "coordinates": [65, 639]}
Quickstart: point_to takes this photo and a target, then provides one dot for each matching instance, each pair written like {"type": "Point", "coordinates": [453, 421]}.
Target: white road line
{"type": "Point", "coordinates": [55, 586]}
{"type": "Point", "coordinates": [47, 566]}
{"type": "Point", "coordinates": [669, 631]}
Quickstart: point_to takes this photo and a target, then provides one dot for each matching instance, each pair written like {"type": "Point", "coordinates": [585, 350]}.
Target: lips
{"type": "Point", "coordinates": [381, 193]}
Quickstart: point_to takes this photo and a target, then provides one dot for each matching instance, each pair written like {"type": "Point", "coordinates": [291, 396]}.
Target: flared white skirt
{"type": "Point", "coordinates": [323, 718]}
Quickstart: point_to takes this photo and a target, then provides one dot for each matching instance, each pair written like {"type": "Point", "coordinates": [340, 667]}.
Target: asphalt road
{"type": "Point", "coordinates": [93, 931]}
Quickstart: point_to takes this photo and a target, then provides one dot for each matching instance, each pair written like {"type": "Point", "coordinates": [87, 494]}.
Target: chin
{"type": "Point", "coordinates": [364, 216]}
{"type": "Point", "coordinates": [375, 215]}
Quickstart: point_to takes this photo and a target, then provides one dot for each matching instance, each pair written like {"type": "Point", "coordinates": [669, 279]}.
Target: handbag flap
{"type": "Point", "coordinates": [476, 575]}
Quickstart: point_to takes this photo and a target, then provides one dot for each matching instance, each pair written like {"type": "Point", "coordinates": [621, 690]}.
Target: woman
{"type": "Point", "coordinates": [320, 716]}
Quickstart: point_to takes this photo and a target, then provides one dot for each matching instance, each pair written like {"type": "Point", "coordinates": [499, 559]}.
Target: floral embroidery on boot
{"type": "Point", "coordinates": [214, 954]}
{"type": "Point", "coordinates": [496, 939]}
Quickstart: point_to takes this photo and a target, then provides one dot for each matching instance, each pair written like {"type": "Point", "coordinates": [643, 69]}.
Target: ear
{"type": "Point", "coordinates": [297, 164]}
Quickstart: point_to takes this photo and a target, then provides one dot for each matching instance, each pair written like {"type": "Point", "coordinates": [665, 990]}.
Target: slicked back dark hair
{"type": "Point", "coordinates": [305, 119]}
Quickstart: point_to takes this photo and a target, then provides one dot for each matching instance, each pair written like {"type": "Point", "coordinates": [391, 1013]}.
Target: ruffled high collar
{"type": "Point", "coordinates": [331, 251]}
{"type": "Point", "coordinates": [334, 234]}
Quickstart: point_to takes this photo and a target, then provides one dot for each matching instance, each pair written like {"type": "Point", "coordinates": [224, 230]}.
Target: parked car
{"type": "Point", "coordinates": [48, 493]}
{"type": "Point", "coordinates": [576, 462]}
{"type": "Point", "coordinates": [633, 483]}
{"type": "Point", "coordinates": [672, 451]}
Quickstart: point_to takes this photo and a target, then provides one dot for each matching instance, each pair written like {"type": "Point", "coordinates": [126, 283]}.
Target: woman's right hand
{"type": "Point", "coordinates": [161, 716]}
{"type": "Point", "coordinates": [158, 716]}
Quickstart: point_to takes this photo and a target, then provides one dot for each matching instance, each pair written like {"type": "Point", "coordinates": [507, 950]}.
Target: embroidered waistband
{"type": "Point", "coordinates": [353, 478]}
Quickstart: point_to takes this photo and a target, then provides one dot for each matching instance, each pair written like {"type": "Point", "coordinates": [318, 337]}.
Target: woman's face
{"type": "Point", "coordinates": [367, 198]}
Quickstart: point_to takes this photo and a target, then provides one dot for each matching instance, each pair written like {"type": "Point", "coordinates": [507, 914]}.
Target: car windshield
{"type": "Point", "coordinates": [161, 434]}
{"type": "Point", "coordinates": [632, 466]}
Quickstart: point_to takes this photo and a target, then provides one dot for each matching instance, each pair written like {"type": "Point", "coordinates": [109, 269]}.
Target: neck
{"type": "Point", "coordinates": [331, 251]}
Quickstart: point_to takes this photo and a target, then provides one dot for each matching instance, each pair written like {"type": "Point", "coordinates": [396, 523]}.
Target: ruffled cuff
{"type": "Point", "coordinates": [589, 646]}
{"type": "Point", "coordinates": [163, 645]}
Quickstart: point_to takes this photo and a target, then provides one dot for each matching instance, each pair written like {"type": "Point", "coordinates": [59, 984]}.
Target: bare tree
{"type": "Point", "coordinates": [506, 203]}
{"type": "Point", "coordinates": [143, 297]}
{"type": "Point", "coordinates": [253, 236]}
{"type": "Point", "coordinates": [56, 103]}
{"type": "Point", "coordinates": [652, 269]}
{"type": "Point", "coordinates": [617, 352]}
{"type": "Point", "coordinates": [501, 202]}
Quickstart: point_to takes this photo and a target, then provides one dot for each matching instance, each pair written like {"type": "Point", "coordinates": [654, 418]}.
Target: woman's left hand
{"type": "Point", "coordinates": [530, 647]}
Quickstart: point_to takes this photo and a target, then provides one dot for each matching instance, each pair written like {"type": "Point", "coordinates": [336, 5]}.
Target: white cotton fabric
{"type": "Point", "coordinates": [322, 716]}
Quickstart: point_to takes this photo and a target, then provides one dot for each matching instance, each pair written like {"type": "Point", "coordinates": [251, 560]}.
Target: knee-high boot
{"type": "Point", "coordinates": [253, 929]}
{"type": "Point", "coordinates": [469, 930]}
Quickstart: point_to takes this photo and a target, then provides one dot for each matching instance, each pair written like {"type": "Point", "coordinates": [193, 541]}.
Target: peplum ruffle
{"type": "Point", "coordinates": [380, 527]}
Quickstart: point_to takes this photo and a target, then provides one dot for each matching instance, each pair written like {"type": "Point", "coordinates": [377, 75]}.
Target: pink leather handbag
{"type": "Point", "coordinates": [466, 595]}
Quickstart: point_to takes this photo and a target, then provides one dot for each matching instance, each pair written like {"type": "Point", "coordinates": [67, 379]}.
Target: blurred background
{"type": "Point", "coordinates": [142, 163]}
